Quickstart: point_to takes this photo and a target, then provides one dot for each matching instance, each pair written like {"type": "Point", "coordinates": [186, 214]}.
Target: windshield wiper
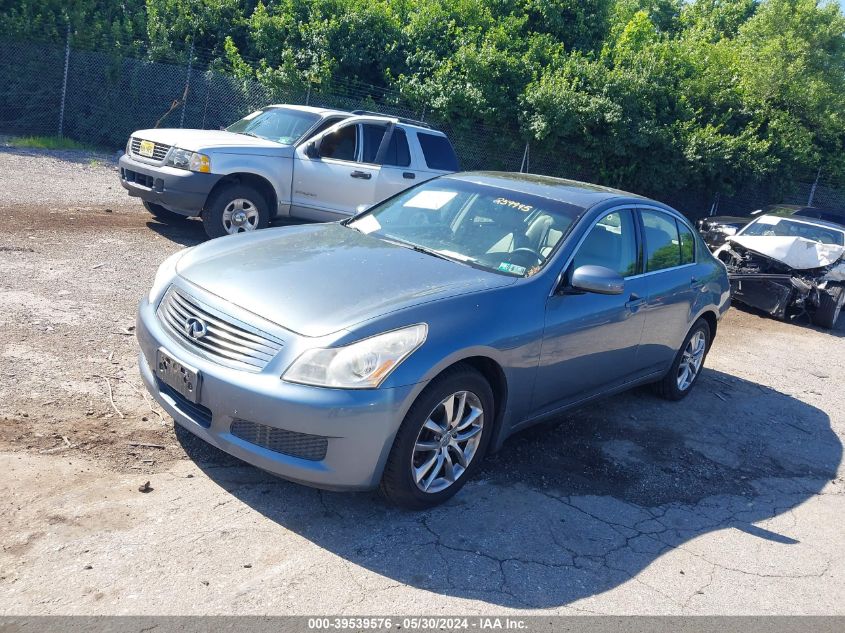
{"type": "Point", "coordinates": [427, 251]}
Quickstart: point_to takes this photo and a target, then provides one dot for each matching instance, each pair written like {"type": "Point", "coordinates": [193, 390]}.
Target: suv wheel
{"type": "Point", "coordinates": [441, 441]}
{"type": "Point", "coordinates": [686, 368]}
{"type": "Point", "coordinates": [235, 209]}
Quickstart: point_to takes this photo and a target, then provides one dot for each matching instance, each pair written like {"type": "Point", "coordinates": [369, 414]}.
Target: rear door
{"type": "Point", "coordinates": [397, 172]}
{"type": "Point", "coordinates": [674, 283]}
{"type": "Point", "coordinates": [332, 185]}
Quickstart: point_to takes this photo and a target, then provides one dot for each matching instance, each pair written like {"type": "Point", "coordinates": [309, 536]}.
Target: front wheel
{"type": "Point", "coordinates": [441, 441]}
{"type": "Point", "coordinates": [235, 209]}
{"type": "Point", "coordinates": [686, 368]}
{"type": "Point", "coordinates": [831, 302]}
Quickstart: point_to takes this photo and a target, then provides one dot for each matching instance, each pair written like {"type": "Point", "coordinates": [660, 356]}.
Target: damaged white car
{"type": "Point", "coordinates": [788, 267]}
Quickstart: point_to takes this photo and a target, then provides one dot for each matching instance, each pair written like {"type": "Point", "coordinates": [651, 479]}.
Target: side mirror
{"type": "Point", "coordinates": [597, 279]}
{"type": "Point", "coordinates": [312, 150]}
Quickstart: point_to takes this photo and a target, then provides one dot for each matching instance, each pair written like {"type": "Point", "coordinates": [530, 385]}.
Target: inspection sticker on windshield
{"type": "Point", "coordinates": [512, 268]}
{"type": "Point", "coordinates": [432, 200]}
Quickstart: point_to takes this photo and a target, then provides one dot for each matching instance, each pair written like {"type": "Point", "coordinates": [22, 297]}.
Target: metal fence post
{"type": "Point", "coordinates": [525, 158]}
{"type": "Point", "coordinates": [813, 188]}
{"type": "Point", "coordinates": [64, 84]}
{"type": "Point", "coordinates": [187, 84]}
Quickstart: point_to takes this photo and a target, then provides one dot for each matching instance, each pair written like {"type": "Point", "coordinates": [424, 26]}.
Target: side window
{"type": "Point", "coordinates": [611, 243]}
{"type": "Point", "coordinates": [398, 153]}
{"type": "Point", "coordinates": [687, 243]}
{"type": "Point", "coordinates": [340, 144]}
{"type": "Point", "coordinates": [373, 134]}
{"type": "Point", "coordinates": [662, 244]}
{"type": "Point", "coordinates": [438, 152]}
{"type": "Point", "coordinates": [325, 125]}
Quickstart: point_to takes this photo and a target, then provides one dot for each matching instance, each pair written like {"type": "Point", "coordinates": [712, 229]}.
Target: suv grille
{"type": "Point", "coordinates": [159, 152]}
{"type": "Point", "coordinates": [302, 445]}
{"type": "Point", "coordinates": [225, 342]}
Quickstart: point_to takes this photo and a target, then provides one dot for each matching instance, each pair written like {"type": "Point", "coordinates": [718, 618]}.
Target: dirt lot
{"type": "Point", "coordinates": [729, 503]}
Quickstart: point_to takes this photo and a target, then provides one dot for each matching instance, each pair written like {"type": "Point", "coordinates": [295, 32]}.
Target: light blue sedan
{"type": "Point", "coordinates": [397, 348]}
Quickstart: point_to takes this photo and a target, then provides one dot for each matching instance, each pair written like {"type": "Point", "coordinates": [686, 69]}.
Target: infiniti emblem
{"type": "Point", "coordinates": [195, 328]}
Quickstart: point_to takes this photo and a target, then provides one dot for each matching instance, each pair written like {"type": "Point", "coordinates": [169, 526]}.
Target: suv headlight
{"type": "Point", "coordinates": [361, 365]}
{"type": "Point", "coordinates": [193, 161]}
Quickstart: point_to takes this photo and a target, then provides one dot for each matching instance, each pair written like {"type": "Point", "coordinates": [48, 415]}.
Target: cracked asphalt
{"type": "Point", "coordinates": [730, 502]}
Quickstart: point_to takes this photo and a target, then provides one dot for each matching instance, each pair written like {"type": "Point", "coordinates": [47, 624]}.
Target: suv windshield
{"type": "Point", "coordinates": [486, 227]}
{"type": "Point", "coordinates": [771, 225]}
{"type": "Point", "coordinates": [275, 124]}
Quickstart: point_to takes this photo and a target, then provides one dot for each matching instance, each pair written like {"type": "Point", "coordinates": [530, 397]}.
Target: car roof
{"type": "Point", "coordinates": [574, 192]}
{"type": "Point", "coordinates": [806, 220]}
{"type": "Point", "coordinates": [312, 109]}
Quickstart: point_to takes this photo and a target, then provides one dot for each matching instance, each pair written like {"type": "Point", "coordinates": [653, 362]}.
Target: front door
{"type": "Point", "coordinates": [333, 185]}
{"type": "Point", "coordinates": [590, 341]}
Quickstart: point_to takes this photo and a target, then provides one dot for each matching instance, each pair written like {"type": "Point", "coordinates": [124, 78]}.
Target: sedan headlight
{"type": "Point", "coordinates": [728, 230]}
{"type": "Point", "coordinates": [193, 161]}
{"type": "Point", "coordinates": [164, 275]}
{"type": "Point", "coordinates": [361, 365]}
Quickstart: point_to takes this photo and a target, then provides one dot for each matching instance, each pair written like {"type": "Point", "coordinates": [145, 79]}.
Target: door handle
{"type": "Point", "coordinates": [363, 175]}
{"type": "Point", "coordinates": [409, 175]}
{"type": "Point", "coordinates": [634, 301]}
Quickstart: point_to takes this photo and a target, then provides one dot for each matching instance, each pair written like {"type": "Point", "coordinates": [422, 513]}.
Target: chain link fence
{"type": "Point", "coordinates": [99, 98]}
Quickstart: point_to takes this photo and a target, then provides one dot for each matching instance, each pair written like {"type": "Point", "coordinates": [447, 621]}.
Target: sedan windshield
{"type": "Point", "coordinates": [782, 227]}
{"type": "Point", "coordinates": [275, 124]}
{"type": "Point", "coordinates": [496, 229]}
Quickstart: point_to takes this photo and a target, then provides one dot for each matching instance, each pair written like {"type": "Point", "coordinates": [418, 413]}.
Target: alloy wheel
{"type": "Point", "coordinates": [240, 215]}
{"type": "Point", "coordinates": [447, 442]}
{"type": "Point", "coordinates": [691, 360]}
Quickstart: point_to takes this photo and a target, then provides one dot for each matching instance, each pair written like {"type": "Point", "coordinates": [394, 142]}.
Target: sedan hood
{"type": "Point", "coordinates": [198, 140]}
{"type": "Point", "coordinates": [321, 278]}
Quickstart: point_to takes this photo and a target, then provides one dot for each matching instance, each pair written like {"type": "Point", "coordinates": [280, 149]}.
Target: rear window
{"type": "Point", "coordinates": [398, 153]}
{"type": "Point", "coordinates": [438, 152]}
{"type": "Point", "coordinates": [663, 246]}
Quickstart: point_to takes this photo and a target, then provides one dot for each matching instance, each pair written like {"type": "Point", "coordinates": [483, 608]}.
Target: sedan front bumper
{"type": "Point", "coordinates": [178, 190]}
{"type": "Point", "coordinates": [356, 428]}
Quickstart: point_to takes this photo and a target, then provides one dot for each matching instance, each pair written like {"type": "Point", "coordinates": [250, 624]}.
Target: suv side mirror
{"type": "Point", "coordinates": [597, 279]}
{"type": "Point", "coordinates": [312, 150]}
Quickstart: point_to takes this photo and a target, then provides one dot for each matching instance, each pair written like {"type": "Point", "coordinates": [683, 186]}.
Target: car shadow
{"type": "Point", "coordinates": [190, 232]}
{"type": "Point", "coordinates": [568, 511]}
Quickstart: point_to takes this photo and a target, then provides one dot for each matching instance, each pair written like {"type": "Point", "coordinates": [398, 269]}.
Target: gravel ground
{"type": "Point", "coordinates": [728, 503]}
{"type": "Point", "coordinates": [29, 176]}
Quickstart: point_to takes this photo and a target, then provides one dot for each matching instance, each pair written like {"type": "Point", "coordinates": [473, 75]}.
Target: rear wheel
{"type": "Point", "coordinates": [441, 441]}
{"type": "Point", "coordinates": [235, 209]}
{"type": "Point", "coordinates": [830, 306]}
{"type": "Point", "coordinates": [686, 368]}
{"type": "Point", "coordinates": [162, 213]}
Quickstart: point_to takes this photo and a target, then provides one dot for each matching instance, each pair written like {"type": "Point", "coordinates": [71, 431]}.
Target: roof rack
{"type": "Point", "coordinates": [390, 116]}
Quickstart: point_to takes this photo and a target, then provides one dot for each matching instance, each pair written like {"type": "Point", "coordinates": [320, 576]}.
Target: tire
{"type": "Point", "coordinates": [411, 446]}
{"type": "Point", "coordinates": [672, 386]}
{"type": "Point", "coordinates": [220, 216]}
{"type": "Point", "coordinates": [830, 306]}
{"type": "Point", "coordinates": [161, 213]}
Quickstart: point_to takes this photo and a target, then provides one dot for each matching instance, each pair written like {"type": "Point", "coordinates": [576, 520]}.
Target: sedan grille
{"type": "Point", "coordinates": [302, 445]}
{"type": "Point", "coordinates": [224, 340]}
{"type": "Point", "coordinates": [159, 152]}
